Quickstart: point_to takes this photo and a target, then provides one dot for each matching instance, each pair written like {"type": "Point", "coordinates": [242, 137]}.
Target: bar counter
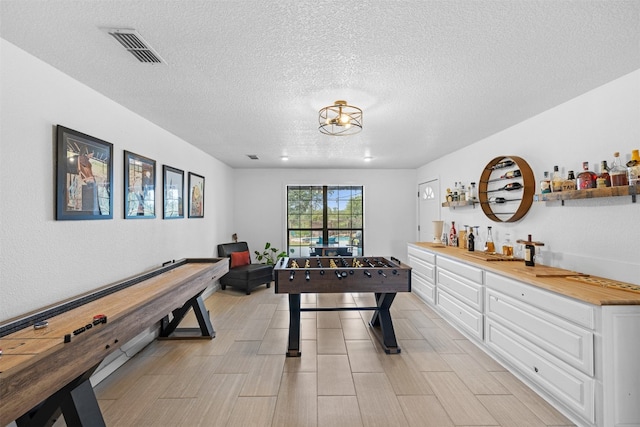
{"type": "Point", "coordinates": [590, 293]}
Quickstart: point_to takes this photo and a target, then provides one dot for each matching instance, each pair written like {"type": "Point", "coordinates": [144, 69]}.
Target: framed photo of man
{"type": "Point", "coordinates": [84, 176]}
{"type": "Point", "coordinates": [139, 186]}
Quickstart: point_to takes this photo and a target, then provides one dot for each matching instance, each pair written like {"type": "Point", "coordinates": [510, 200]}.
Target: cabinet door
{"type": "Point", "coordinates": [578, 312]}
{"type": "Point", "coordinates": [463, 289]}
{"type": "Point", "coordinates": [553, 334]}
{"type": "Point", "coordinates": [422, 254]}
{"type": "Point", "coordinates": [564, 383]}
{"type": "Point", "coordinates": [462, 315]}
{"type": "Point", "coordinates": [423, 288]}
{"type": "Point", "coordinates": [467, 271]}
{"type": "Point", "coordinates": [425, 268]}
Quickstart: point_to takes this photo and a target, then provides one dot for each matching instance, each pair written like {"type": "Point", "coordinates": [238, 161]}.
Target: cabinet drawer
{"type": "Point", "coordinates": [461, 288]}
{"type": "Point", "coordinates": [461, 314]}
{"type": "Point", "coordinates": [562, 339]}
{"type": "Point", "coordinates": [566, 384]}
{"type": "Point", "coordinates": [575, 311]}
{"type": "Point", "coordinates": [429, 257]}
{"type": "Point", "coordinates": [472, 273]}
{"type": "Point", "coordinates": [423, 288]}
{"type": "Point", "coordinates": [424, 268]}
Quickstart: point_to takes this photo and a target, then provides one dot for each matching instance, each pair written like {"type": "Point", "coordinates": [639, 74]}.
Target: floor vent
{"type": "Point", "coordinates": [136, 45]}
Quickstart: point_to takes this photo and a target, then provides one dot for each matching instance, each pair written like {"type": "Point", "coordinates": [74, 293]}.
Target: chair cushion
{"type": "Point", "coordinates": [238, 259]}
{"type": "Point", "coordinates": [250, 272]}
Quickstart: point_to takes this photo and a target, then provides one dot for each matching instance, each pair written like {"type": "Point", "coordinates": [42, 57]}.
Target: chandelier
{"type": "Point", "coordinates": [340, 119]}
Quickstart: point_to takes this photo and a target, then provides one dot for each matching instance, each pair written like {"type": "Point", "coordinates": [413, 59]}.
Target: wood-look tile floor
{"type": "Point", "coordinates": [344, 378]}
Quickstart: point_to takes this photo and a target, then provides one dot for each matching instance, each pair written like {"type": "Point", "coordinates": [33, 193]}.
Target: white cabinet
{"type": "Point", "coordinates": [423, 273]}
{"type": "Point", "coordinates": [554, 353]}
{"type": "Point", "coordinates": [459, 295]}
{"type": "Point", "coordinates": [583, 358]}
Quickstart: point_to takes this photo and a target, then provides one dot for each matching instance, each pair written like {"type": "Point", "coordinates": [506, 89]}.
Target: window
{"type": "Point", "coordinates": [323, 218]}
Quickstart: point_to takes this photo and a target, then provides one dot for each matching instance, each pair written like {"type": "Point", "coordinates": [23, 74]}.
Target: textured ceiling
{"type": "Point", "coordinates": [248, 77]}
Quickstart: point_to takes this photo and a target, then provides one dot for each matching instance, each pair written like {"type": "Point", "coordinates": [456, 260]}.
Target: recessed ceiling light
{"type": "Point", "coordinates": [368, 158]}
{"type": "Point", "coordinates": [284, 158]}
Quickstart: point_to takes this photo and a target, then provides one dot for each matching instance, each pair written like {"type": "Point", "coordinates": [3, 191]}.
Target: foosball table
{"type": "Point", "coordinates": [379, 275]}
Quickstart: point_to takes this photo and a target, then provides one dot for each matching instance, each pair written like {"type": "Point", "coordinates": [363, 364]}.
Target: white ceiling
{"type": "Point", "coordinates": [248, 77]}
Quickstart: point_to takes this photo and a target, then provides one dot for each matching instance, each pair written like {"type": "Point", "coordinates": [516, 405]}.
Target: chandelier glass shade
{"type": "Point", "coordinates": [340, 119]}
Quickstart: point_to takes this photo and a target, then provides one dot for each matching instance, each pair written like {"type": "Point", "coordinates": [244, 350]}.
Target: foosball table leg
{"type": "Point", "coordinates": [294, 326]}
{"type": "Point", "coordinates": [382, 318]}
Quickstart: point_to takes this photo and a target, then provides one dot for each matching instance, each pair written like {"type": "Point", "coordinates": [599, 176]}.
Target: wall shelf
{"type": "Point", "coordinates": [591, 193]}
{"type": "Point", "coordinates": [459, 204]}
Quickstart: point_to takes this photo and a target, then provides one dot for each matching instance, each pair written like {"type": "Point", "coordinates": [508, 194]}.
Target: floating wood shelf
{"type": "Point", "coordinates": [591, 193]}
{"type": "Point", "coordinates": [459, 204]}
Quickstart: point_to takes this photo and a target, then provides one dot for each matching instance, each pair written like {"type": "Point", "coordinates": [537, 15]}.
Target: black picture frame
{"type": "Point", "coordinates": [196, 195]}
{"type": "Point", "coordinates": [84, 176]}
{"type": "Point", "coordinates": [139, 186]}
{"type": "Point", "coordinates": [173, 200]}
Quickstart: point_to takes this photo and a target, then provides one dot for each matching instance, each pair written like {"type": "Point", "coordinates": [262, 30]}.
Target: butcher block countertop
{"type": "Point", "coordinates": [573, 284]}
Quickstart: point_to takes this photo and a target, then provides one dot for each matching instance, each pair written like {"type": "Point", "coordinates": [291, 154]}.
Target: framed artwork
{"type": "Point", "coordinates": [173, 190]}
{"type": "Point", "coordinates": [139, 186]}
{"type": "Point", "coordinates": [196, 196]}
{"type": "Point", "coordinates": [84, 176]}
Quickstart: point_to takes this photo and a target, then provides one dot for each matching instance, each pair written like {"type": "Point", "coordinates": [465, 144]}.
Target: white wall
{"type": "Point", "coordinates": [599, 236]}
{"type": "Point", "coordinates": [43, 260]}
{"type": "Point", "coordinates": [260, 205]}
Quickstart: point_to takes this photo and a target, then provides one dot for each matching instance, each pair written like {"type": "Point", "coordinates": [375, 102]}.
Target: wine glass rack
{"type": "Point", "coordinates": [505, 182]}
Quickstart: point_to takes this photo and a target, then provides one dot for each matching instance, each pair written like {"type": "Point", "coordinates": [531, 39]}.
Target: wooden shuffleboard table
{"type": "Point", "coordinates": [381, 276]}
{"type": "Point", "coordinates": [48, 356]}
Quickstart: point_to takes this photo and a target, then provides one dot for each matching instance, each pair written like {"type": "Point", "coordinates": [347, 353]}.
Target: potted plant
{"type": "Point", "coordinates": [270, 255]}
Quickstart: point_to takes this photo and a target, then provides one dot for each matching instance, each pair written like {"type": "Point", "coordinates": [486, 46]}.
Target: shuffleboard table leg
{"type": "Point", "coordinates": [170, 330]}
{"type": "Point", "coordinates": [294, 326]}
{"type": "Point", "coordinates": [76, 402]}
{"type": "Point", "coordinates": [382, 318]}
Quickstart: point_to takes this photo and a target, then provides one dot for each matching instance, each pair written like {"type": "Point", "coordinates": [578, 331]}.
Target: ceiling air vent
{"type": "Point", "coordinates": [136, 45]}
{"type": "Point", "coordinates": [252, 156]}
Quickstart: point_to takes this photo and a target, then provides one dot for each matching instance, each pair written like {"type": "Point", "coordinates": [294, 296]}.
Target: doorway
{"type": "Point", "coordinates": [428, 209]}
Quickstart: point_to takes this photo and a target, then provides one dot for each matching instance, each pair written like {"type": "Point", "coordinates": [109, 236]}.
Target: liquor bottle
{"type": "Point", "coordinates": [453, 235]}
{"type": "Point", "coordinates": [471, 240]}
{"type": "Point", "coordinates": [507, 246]}
{"type": "Point", "coordinates": [529, 253]}
{"type": "Point", "coordinates": [473, 192]}
{"type": "Point", "coordinates": [504, 164]}
{"type": "Point", "coordinates": [633, 168]}
{"type": "Point", "coordinates": [497, 200]}
{"type": "Point", "coordinates": [545, 184]}
{"type": "Point", "coordinates": [509, 187]}
{"type": "Point", "coordinates": [569, 184]}
{"type": "Point", "coordinates": [617, 172]}
{"type": "Point", "coordinates": [556, 180]}
{"type": "Point", "coordinates": [512, 174]}
{"type": "Point", "coordinates": [489, 246]}
{"type": "Point", "coordinates": [603, 179]}
{"type": "Point", "coordinates": [586, 178]}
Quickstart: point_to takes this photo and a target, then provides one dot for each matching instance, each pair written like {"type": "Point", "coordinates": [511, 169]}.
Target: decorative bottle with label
{"type": "Point", "coordinates": [529, 252]}
{"type": "Point", "coordinates": [586, 178]}
{"type": "Point", "coordinates": [603, 179]}
{"type": "Point", "coordinates": [453, 235]}
{"type": "Point", "coordinates": [633, 168]}
{"type": "Point", "coordinates": [617, 172]}
{"type": "Point", "coordinates": [471, 240]}
{"type": "Point", "coordinates": [545, 184]}
{"type": "Point", "coordinates": [569, 184]}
